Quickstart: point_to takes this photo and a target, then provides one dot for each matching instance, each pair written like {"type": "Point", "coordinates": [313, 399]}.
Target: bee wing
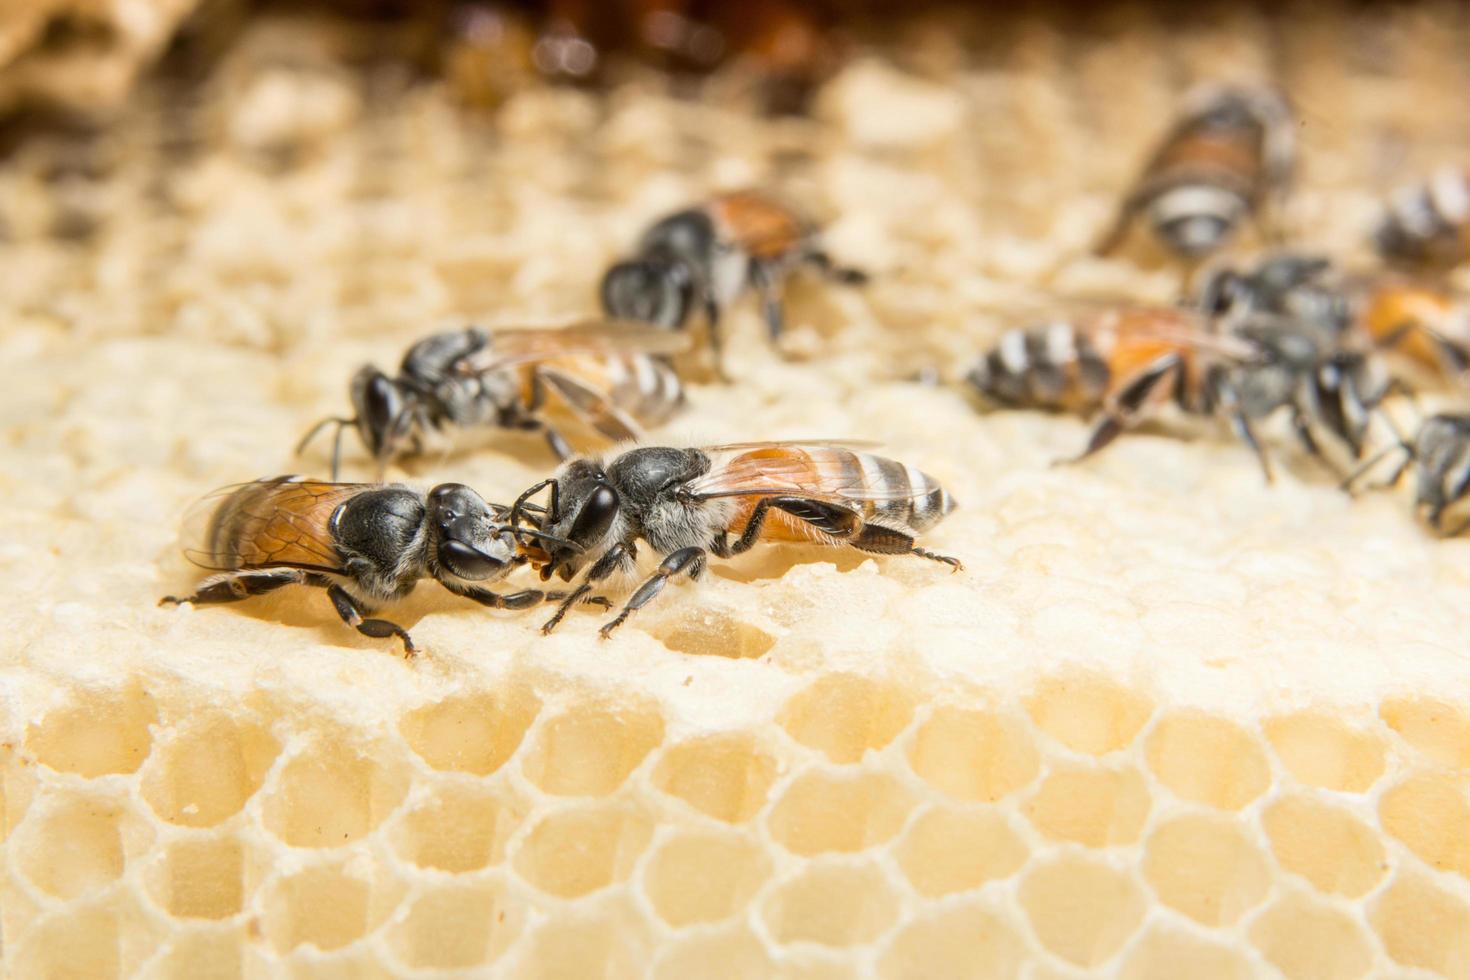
{"type": "Point", "coordinates": [592, 406]}
{"type": "Point", "coordinates": [275, 521]}
{"type": "Point", "coordinates": [787, 469]}
{"type": "Point", "coordinates": [508, 348]}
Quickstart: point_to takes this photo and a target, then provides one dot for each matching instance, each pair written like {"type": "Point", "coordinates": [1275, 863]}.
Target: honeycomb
{"type": "Point", "coordinates": [1169, 722]}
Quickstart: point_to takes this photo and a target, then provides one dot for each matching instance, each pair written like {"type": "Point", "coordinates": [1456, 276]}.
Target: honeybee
{"type": "Point", "coordinates": [1428, 224]}
{"type": "Point", "coordinates": [1229, 156]}
{"type": "Point", "coordinates": [711, 254]}
{"type": "Point", "coordinates": [367, 544]}
{"type": "Point", "coordinates": [688, 504]}
{"type": "Point", "coordinates": [1127, 363]}
{"type": "Point", "coordinates": [612, 376]}
{"type": "Point", "coordinates": [1423, 323]}
{"type": "Point", "coordinates": [1440, 455]}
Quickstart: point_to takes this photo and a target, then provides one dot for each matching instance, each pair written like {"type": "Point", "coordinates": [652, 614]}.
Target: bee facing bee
{"type": "Point", "coordinates": [1126, 364]}
{"type": "Point", "coordinates": [365, 544]}
{"type": "Point", "coordinates": [1428, 224]}
{"type": "Point", "coordinates": [1229, 157]}
{"type": "Point", "coordinates": [613, 377]}
{"type": "Point", "coordinates": [689, 504]}
{"type": "Point", "coordinates": [709, 255]}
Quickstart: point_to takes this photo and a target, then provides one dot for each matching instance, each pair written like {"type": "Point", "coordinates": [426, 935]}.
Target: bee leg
{"type": "Point", "coordinates": [766, 282]}
{"type": "Point", "coordinates": [1247, 435]}
{"type": "Point", "coordinates": [886, 541]}
{"type": "Point", "coordinates": [234, 586]}
{"type": "Point", "coordinates": [1124, 409]}
{"type": "Point", "coordinates": [689, 561]}
{"type": "Point", "coordinates": [1303, 428]}
{"type": "Point", "coordinates": [524, 599]}
{"type": "Point", "coordinates": [716, 337]}
{"type": "Point", "coordinates": [557, 443]}
{"type": "Point", "coordinates": [378, 629]}
{"type": "Point", "coordinates": [845, 275]}
{"type": "Point", "coordinates": [617, 556]}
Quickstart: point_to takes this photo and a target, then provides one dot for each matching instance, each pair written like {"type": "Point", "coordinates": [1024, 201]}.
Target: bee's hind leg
{"type": "Point", "coordinates": [886, 541]}
{"type": "Point", "coordinates": [690, 561]}
{"type": "Point", "coordinates": [378, 629]}
{"type": "Point", "coordinates": [234, 586]}
{"type": "Point", "coordinates": [846, 275]}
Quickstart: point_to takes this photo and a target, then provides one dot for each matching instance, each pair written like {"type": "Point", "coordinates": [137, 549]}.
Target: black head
{"type": "Point", "coordinates": [657, 290]}
{"type": "Point", "coordinates": [470, 542]}
{"type": "Point", "coordinates": [384, 411]}
{"type": "Point", "coordinates": [583, 508]}
{"type": "Point", "coordinates": [1441, 452]}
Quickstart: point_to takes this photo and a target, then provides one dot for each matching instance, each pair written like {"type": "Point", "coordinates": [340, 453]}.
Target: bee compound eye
{"type": "Point", "coordinates": [467, 562]}
{"type": "Point", "coordinates": [595, 516]}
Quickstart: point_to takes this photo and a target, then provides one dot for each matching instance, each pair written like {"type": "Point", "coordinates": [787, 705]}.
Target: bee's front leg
{"type": "Point", "coordinates": [690, 561]}
{"type": "Point", "coordinates": [616, 556]}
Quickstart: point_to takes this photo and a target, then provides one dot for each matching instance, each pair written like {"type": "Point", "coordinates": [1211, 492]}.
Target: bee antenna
{"type": "Point", "coordinates": [315, 430]}
{"type": "Point", "coordinates": [537, 535]}
{"type": "Point", "coordinates": [515, 510]}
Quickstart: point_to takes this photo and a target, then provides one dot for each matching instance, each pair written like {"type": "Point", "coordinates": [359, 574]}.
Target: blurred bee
{"type": "Point", "coordinates": [1229, 157]}
{"type": "Point", "coordinates": [1428, 224]}
{"type": "Point", "coordinates": [1128, 363]}
{"type": "Point", "coordinates": [1440, 455]}
{"type": "Point", "coordinates": [710, 255]}
{"type": "Point", "coordinates": [688, 504]}
{"type": "Point", "coordinates": [1422, 323]}
{"type": "Point", "coordinates": [613, 377]}
{"type": "Point", "coordinates": [367, 544]}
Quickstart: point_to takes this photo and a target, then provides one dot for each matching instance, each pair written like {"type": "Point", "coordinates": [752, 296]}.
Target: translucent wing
{"type": "Point", "coordinates": [281, 521]}
{"type": "Point", "coordinates": [816, 470]}
{"type": "Point", "coordinates": [512, 347]}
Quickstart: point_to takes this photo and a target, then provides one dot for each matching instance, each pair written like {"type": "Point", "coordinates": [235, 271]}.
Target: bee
{"type": "Point", "coordinates": [1229, 157]}
{"type": "Point", "coordinates": [689, 504]}
{"type": "Point", "coordinates": [366, 544]}
{"type": "Point", "coordinates": [709, 256]}
{"type": "Point", "coordinates": [1423, 323]}
{"type": "Point", "coordinates": [1440, 456]}
{"type": "Point", "coordinates": [1428, 224]}
{"type": "Point", "coordinates": [614, 377]}
{"type": "Point", "coordinates": [1126, 364]}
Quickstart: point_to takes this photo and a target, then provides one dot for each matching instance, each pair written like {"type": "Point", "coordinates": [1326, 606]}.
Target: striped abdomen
{"type": "Point", "coordinates": [1053, 367]}
{"type": "Point", "coordinates": [1429, 223]}
{"type": "Point", "coordinates": [644, 386]}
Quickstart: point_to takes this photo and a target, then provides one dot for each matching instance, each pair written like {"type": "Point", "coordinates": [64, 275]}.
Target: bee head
{"type": "Point", "coordinates": [469, 542]}
{"type": "Point", "coordinates": [656, 289]}
{"type": "Point", "coordinates": [384, 411]}
{"type": "Point", "coordinates": [582, 511]}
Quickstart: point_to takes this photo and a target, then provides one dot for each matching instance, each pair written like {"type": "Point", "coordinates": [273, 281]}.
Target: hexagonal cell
{"type": "Point", "coordinates": [961, 941]}
{"type": "Point", "coordinates": [355, 964]}
{"type": "Point", "coordinates": [72, 845]}
{"type": "Point", "coordinates": [1321, 750]}
{"type": "Point", "coordinates": [831, 904]}
{"type": "Point", "coordinates": [1331, 848]}
{"type": "Point", "coordinates": [333, 792]}
{"type": "Point", "coordinates": [1436, 728]}
{"type": "Point", "coordinates": [728, 953]}
{"type": "Point", "coordinates": [458, 828]}
{"type": "Point", "coordinates": [821, 812]}
{"type": "Point", "coordinates": [948, 849]}
{"type": "Point", "coordinates": [453, 927]}
{"type": "Point", "coordinates": [590, 748]}
{"type": "Point", "coordinates": [1206, 867]}
{"type": "Point", "coordinates": [726, 776]}
{"type": "Point", "coordinates": [704, 876]}
{"type": "Point", "coordinates": [204, 773]}
{"type": "Point", "coordinates": [1424, 926]}
{"type": "Point", "coordinates": [328, 905]}
{"type": "Point", "coordinates": [974, 755]}
{"type": "Point", "coordinates": [17, 790]}
{"type": "Point", "coordinates": [474, 733]}
{"type": "Point", "coordinates": [1307, 940]}
{"type": "Point", "coordinates": [1208, 760]}
{"type": "Point", "coordinates": [200, 877]}
{"type": "Point", "coordinates": [708, 632]}
{"type": "Point", "coordinates": [1431, 815]}
{"type": "Point", "coordinates": [1167, 954]}
{"type": "Point", "coordinates": [603, 939]}
{"type": "Point", "coordinates": [579, 849]}
{"type": "Point", "coordinates": [98, 733]}
{"type": "Point", "coordinates": [76, 943]}
{"type": "Point", "coordinates": [1092, 806]}
{"type": "Point", "coordinates": [845, 716]}
{"type": "Point", "coordinates": [1081, 909]}
{"type": "Point", "coordinates": [1089, 713]}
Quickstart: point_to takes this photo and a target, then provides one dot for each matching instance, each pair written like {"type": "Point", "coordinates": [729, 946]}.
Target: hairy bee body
{"type": "Point", "coordinates": [1230, 154]}
{"type": "Point", "coordinates": [1428, 224]}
